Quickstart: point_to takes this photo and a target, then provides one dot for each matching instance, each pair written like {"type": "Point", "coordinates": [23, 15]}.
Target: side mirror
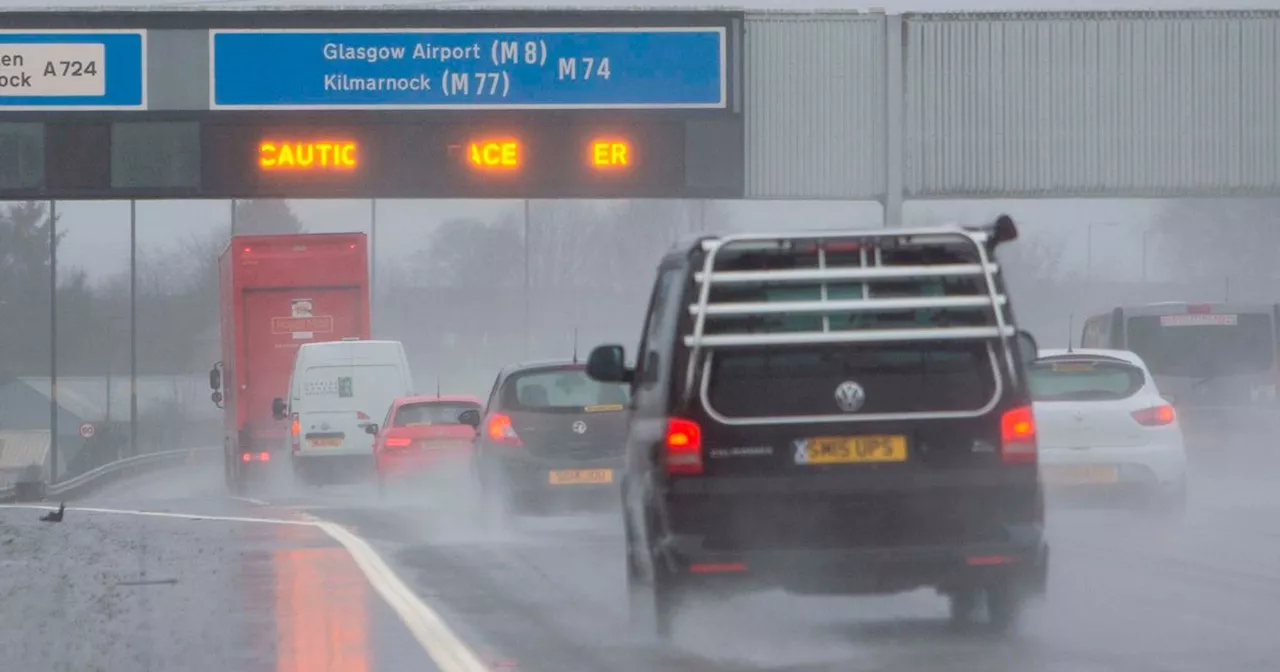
{"type": "Point", "coordinates": [1004, 230]}
{"type": "Point", "coordinates": [1028, 350]}
{"type": "Point", "coordinates": [371, 429]}
{"type": "Point", "coordinates": [606, 364]}
{"type": "Point", "coordinates": [215, 379]}
{"type": "Point", "coordinates": [217, 399]}
{"type": "Point", "coordinates": [278, 409]}
{"type": "Point", "coordinates": [470, 417]}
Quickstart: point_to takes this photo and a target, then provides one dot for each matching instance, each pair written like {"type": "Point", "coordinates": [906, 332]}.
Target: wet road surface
{"type": "Point", "coordinates": [108, 591]}
{"type": "Point", "coordinates": [1127, 593]}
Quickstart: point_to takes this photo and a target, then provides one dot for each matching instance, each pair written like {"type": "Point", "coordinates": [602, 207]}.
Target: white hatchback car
{"type": "Point", "coordinates": [1103, 428]}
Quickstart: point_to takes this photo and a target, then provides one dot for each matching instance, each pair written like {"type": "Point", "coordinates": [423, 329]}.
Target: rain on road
{"type": "Point", "coordinates": [110, 591]}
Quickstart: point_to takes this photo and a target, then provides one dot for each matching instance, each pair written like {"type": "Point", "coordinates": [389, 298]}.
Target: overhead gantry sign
{"type": "Point", "coordinates": [532, 105]}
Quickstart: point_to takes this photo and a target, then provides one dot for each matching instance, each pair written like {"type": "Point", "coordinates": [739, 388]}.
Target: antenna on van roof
{"type": "Point", "coordinates": [1071, 329]}
{"type": "Point", "coordinates": [437, 387]}
{"type": "Point", "coordinates": [575, 345]}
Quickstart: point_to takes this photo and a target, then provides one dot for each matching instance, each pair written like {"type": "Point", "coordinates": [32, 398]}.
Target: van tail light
{"type": "Point", "coordinates": [1156, 416]}
{"type": "Point", "coordinates": [361, 415]}
{"type": "Point", "coordinates": [684, 447]}
{"type": "Point", "coordinates": [500, 431]}
{"type": "Point", "coordinates": [295, 433]}
{"type": "Point", "coordinates": [1018, 436]}
{"type": "Point", "coordinates": [398, 442]}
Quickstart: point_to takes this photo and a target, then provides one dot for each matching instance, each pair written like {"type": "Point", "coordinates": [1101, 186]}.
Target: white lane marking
{"type": "Point", "coordinates": [160, 514]}
{"type": "Point", "coordinates": [250, 500]}
{"type": "Point", "coordinates": [445, 648]}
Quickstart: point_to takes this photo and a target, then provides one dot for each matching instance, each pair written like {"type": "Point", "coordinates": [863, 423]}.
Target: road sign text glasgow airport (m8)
{"type": "Point", "coordinates": [72, 70]}
{"type": "Point", "coordinates": [508, 68]}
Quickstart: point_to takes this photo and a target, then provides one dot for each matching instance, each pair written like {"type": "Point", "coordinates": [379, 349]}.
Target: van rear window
{"type": "Point", "coordinates": [1083, 380]}
{"type": "Point", "coordinates": [896, 378]}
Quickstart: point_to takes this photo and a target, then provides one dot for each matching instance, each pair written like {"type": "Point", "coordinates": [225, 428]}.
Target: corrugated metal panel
{"type": "Point", "coordinates": [814, 106]}
{"type": "Point", "coordinates": [1132, 104]}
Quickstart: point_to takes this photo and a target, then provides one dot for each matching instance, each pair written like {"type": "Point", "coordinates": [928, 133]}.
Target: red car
{"type": "Point", "coordinates": [422, 433]}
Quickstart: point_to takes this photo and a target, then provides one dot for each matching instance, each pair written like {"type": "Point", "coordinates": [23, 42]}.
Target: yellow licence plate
{"type": "Point", "coordinates": [328, 442]}
{"type": "Point", "coordinates": [847, 449]}
{"type": "Point", "coordinates": [580, 476]}
{"type": "Point", "coordinates": [1080, 475]}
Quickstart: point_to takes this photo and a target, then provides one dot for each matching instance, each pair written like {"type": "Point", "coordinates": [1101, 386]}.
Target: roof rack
{"type": "Point", "coordinates": [871, 269]}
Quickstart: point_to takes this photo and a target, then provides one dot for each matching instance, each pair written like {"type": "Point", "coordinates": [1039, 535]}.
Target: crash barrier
{"type": "Point", "coordinates": [108, 473]}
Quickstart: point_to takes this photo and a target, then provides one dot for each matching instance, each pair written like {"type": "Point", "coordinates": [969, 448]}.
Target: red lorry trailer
{"type": "Point", "coordinates": [278, 292]}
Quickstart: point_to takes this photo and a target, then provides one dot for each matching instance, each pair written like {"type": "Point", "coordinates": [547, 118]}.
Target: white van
{"type": "Point", "coordinates": [335, 391]}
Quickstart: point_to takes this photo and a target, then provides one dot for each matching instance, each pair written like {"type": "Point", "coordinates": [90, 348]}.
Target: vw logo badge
{"type": "Point", "coordinates": [579, 427]}
{"type": "Point", "coordinates": [850, 396]}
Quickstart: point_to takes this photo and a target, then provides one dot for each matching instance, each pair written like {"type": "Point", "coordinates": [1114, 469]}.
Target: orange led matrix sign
{"type": "Point", "coordinates": [609, 154]}
{"type": "Point", "coordinates": [495, 154]}
{"type": "Point", "coordinates": [308, 155]}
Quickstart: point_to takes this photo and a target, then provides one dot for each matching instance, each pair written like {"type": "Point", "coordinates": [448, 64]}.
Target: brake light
{"type": "Point", "coordinates": [295, 433]}
{"type": "Point", "coordinates": [264, 456]}
{"type": "Point", "coordinates": [399, 442]}
{"type": "Point", "coordinates": [1156, 416]}
{"type": "Point", "coordinates": [1018, 436]}
{"type": "Point", "coordinates": [360, 415]}
{"type": "Point", "coordinates": [501, 431]}
{"type": "Point", "coordinates": [1199, 309]}
{"type": "Point", "coordinates": [684, 447]}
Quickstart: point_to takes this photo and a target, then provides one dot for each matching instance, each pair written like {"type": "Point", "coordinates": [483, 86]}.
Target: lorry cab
{"type": "Point", "coordinates": [336, 390]}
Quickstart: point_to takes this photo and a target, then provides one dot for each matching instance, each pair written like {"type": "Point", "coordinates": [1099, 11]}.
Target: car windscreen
{"type": "Point", "coordinates": [945, 376]}
{"type": "Point", "coordinates": [1082, 379]}
{"type": "Point", "coordinates": [1202, 346]}
{"type": "Point", "coordinates": [432, 413]}
{"type": "Point", "coordinates": [563, 390]}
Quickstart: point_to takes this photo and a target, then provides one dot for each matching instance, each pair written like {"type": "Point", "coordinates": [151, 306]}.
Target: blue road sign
{"type": "Point", "coordinates": [546, 68]}
{"type": "Point", "coordinates": [73, 70]}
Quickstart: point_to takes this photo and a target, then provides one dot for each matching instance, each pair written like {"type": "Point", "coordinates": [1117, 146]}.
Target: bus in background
{"type": "Point", "coordinates": [1216, 362]}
